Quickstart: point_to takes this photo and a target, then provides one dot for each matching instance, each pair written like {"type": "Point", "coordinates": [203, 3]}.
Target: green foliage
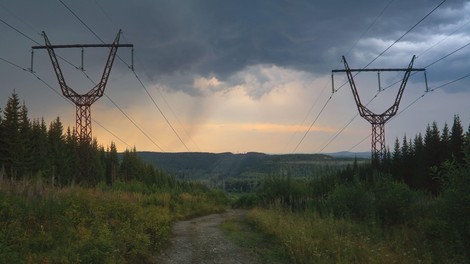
{"type": "Point", "coordinates": [350, 201]}
{"type": "Point", "coordinates": [393, 202]}
{"type": "Point", "coordinates": [100, 225]}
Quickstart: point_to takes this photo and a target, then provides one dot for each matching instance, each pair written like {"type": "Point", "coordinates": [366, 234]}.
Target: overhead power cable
{"type": "Point", "coordinates": [383, 52]}
{"type": "Point", "coordinates": [406, 33]}
{"type": "Point", "coordinates": [414, 101]}
{"type": "Point", "coordinates": [158, 90]}
{"type": "Point", "coordinates": [59, 94]}
{"type": "Point", "coordinates": [88, 77]}
{"type": "Point", "coordinates": [30, 70]}
{"type": "Point", "coordinates": [396, 41]}
{"type": "Point", "coordinates": [326, 85]}
{"type": "Point", "coordinates": [311, 125]}
{"type": "Point", "coordinates": [135, 74]}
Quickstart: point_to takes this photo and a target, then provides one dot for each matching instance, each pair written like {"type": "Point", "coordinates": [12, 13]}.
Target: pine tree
{"type": "Point", "coordinates": [432, 157]}
{"type": "Point", "coordinates": [25, 159]}
{"type": "Point", "coordinates": [39, 146]}
{"type": "Point", "coordinates": [457, 139]}
{"type": "Point", "coordinates": [11, 147]}
{"type": "Point", "coordinates": [57, 151]}
{"type": "Point", "coordinates": [446, 151]}
{"type": "Point", "coordinates": [71, 150]}
{"type": "Point", "coordinates": [396, 161]}
{"type": "Point", "coordinates": [112, 164]}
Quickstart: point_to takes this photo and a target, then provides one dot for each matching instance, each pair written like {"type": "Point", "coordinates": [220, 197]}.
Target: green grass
{"type": "Point", "coordinates": [91, 225]}
{"type": "Point", "coordinates": [312, 239]}
{"type": "Point", "coordinates": [264, 246]}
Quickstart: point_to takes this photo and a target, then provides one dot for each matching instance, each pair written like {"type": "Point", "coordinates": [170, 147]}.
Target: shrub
{"type": "Point", "coordinates": [393, 202]}
{"type": "Point", "coordinates": [350, 201]}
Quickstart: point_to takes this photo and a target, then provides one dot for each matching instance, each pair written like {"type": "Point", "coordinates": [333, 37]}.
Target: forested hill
{"type": "Point", "coordinates": [200, 165]}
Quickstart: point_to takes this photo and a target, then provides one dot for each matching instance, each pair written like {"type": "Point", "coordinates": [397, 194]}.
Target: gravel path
{"type": "Point", "coordinates": [200, 240]}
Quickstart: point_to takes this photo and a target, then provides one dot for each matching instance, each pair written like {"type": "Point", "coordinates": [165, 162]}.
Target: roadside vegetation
{"type": "Point", "coordinates": [119, 211]}
{"type": "Point", "coordinates": [394, 214]}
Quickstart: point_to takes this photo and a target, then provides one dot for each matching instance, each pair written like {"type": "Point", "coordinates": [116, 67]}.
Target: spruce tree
{"type": "Point", "coordinates": [11, 147]}
{"type": "Point", "coordinates": [71, 150]}
{"type": "Point", "coordinates": [57, 151]}
{"type": "Point", "coordinates": [39, 146]}
{"type": "Point", "coordinates": [25, 131]}
{"type": "Point", "coordinates": [396, 161]}
{"type": "Point", "coordinates": [112, 164]}
{"type": "Point", "coordinates": [446, 151]}
{"type": "Point", "coordinates": [457, 139]}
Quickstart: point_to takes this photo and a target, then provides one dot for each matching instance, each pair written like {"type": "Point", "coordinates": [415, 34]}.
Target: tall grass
{"type": "Point", "coordinates": [372, 219]}
{"type": "Point", "coordinates": [39, 224]}
{"type": "Point", "coordinates": [308, 238]}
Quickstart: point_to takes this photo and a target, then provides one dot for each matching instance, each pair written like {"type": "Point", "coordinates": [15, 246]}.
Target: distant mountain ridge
{"type": "Point", "coordinates": [203, 165]}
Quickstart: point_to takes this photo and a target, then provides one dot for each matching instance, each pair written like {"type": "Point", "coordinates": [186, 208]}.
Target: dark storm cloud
{"type": "Point", "coordinates": [220, 38]}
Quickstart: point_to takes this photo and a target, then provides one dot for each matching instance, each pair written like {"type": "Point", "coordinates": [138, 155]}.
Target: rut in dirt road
{"type": "Point", "coordinates": [200, 240]}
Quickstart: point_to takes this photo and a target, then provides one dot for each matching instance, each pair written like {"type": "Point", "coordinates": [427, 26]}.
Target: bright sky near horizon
{"type": "Point", "coordinates": [240, 76]}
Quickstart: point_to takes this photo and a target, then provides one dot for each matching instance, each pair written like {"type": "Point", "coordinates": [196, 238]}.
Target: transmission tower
{"type": "Point", "coordinates": [82, 102]}
{"type": "Point", "coordinates": [377, 120]}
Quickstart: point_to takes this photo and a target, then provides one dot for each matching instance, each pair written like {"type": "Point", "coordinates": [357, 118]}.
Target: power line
{"type": "Point", "coordinates": [326, 84]}
{"type": "Point", "coordinates": [81, 21]}
{"type": "Point", "coordinates": [135, 74]}
{"type": "Point", "coordinates": [416, 100]}
{"type": "Point", "coordinates": [406, 33]}
{"type": "Point", "coordinates": [87, 76]}
{"type": "Point", "coordinates": [31, 71]}
{"type": "Point", "coordinates": [429, 65]}
{"type": "Point", "coordinates": [161, 112]}
{"type": "Point", "coordinates": [383, 52]}
{"type": "Point", "coordinates": [60, 95]}
{"type": "Point", "coordinates": [311, 125]}
{"type": "Point", "coordinates": [370, 26]}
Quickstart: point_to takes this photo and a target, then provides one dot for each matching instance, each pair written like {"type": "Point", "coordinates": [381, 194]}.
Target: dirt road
{"type": "Point", "coordinates": [200, 240]}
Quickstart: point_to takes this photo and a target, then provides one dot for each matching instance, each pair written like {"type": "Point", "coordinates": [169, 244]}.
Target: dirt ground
{"type": "Point", "coordinates": [200, 240]}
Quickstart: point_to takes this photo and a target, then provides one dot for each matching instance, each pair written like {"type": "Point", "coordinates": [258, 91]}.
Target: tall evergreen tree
{"type": "Point", "coordinates": [11, 147]}
{"type": "Point", "coordinates": [112, 164]}
{"type": "Point", "coordinates": [25, 159]}
{"type": "Point", "coordinates": [446, 151]}
{"type": "Point", "coordinates": [433, 156]}
{"type": "Point", "coordinates": [39, 146]}
{"type": "Point", "coordinates": [71, 150]}
{"type": "Point", "coordinates": [57, 151]}
{"type": "Point", "coordinates": [457, 139]}
{"type": "Point", "coordinates": [396, 161]}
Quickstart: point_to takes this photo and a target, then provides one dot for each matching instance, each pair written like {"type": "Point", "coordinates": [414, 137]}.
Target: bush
{"type": "Point", "coordinates": [393, 202]}
{"type": "Point", "coordinates": [350, 201]}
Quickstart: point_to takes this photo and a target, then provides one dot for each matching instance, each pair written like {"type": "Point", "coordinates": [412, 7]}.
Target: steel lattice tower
{"type": "Point", "coordinates": [83, 102]}
{"type": "Point", "coordinates": [377, 120]}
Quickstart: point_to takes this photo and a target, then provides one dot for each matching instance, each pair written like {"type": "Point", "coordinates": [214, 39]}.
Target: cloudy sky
{"type": "Point", "coordinates": [239, 76]}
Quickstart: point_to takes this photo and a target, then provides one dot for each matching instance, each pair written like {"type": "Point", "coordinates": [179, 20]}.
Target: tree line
{"type": "Point", "coordinates": [31, 148]}
{"type": "Point", "coordinates": [418, 161]}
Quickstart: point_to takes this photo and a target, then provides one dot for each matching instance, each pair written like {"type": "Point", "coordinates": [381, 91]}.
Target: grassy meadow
{"type": "Point", "coordinates": [125, 223]}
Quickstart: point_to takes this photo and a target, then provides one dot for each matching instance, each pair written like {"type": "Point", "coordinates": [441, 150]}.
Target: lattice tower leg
{"type": "Point", "coordinates": [83, 120]}
{"type": "Point", "coordinates": [378, 142]}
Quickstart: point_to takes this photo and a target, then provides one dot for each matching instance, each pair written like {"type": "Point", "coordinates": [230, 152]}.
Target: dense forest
{"type": "Point", "coordinates": [412, 208]}
{"type": "Point", "coordinates": [418, 162]}
{"type": "Point", "coordinates": [119, 211]}
{"type": "Point", "coordinates": [30, 148]}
